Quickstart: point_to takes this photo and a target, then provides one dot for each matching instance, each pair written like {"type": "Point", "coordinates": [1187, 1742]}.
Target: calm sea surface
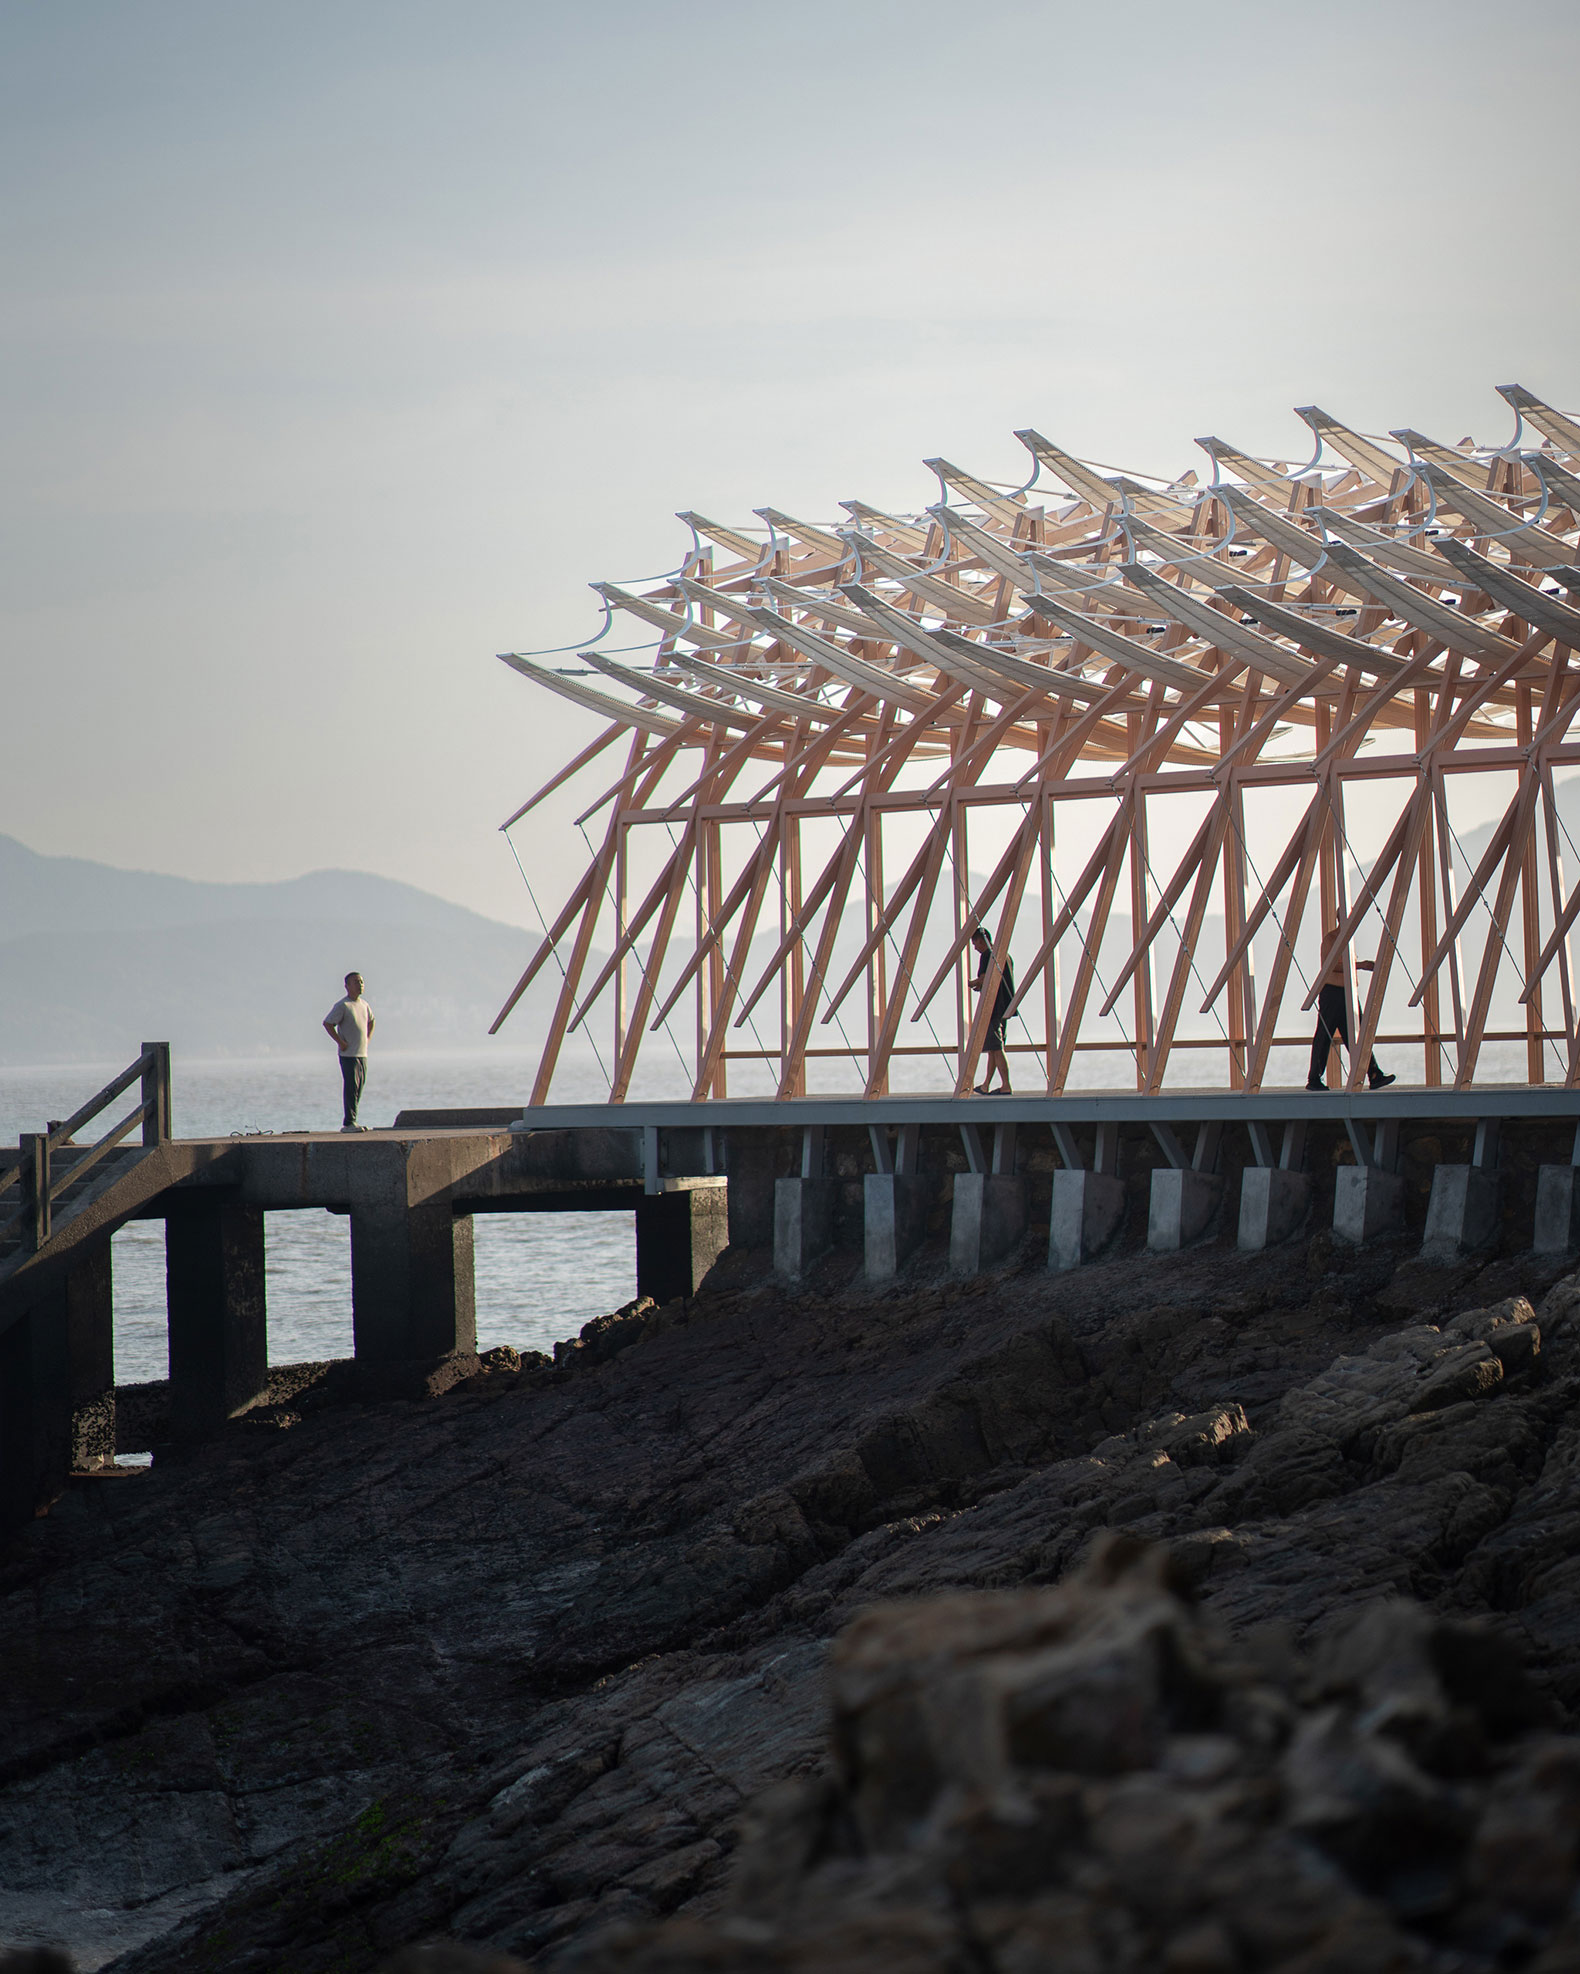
{"type": "Point", "coordinates": [540, 1276]}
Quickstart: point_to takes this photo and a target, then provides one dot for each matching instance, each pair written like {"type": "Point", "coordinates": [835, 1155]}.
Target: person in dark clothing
{"type": "Point", "coordinates": [997, 1061]}
{"type": "Point", "coordinates": [1333, 1023]}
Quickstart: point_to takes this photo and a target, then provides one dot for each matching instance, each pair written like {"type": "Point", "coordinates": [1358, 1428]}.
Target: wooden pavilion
{"type": "Point", "coordinates": [1197, 723]}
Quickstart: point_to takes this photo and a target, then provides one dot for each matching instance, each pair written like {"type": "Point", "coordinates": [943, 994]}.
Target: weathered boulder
{"type": "Point", "coordinates": [1096, 1776]}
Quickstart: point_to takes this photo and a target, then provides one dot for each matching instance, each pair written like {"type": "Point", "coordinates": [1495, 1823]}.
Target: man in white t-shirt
{"type": "Point", "coordinates": [349, 1024]}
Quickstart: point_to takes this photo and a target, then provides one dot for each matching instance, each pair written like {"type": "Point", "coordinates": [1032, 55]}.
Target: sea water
{"type": "Point", "coordinates": [540, 1276]}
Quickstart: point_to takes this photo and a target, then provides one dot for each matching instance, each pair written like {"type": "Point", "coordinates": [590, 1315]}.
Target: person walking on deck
{"type": "Point", "coordinates": [349, 1025]}
{"type": "Point", "coordinates": [997, 1061]}
{"type": "Point", "coordinates": [1333, 1022]}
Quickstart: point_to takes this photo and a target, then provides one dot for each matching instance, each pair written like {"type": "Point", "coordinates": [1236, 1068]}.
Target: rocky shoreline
{"type": "Point", "coordinates": [545, 1665]}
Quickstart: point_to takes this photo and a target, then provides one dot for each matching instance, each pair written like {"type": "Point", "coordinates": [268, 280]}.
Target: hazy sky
{"type": "Point", "coordinates": [345, 343]}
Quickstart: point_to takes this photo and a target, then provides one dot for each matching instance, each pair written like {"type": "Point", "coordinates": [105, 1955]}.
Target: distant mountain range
{"type": "Point", "coordinates": [95, 960]}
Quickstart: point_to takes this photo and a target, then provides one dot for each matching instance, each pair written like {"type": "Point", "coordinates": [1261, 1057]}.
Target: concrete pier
{"type": "Point", "coordinates": [1557, 1229]}
{"type": "Point", "coordinates": [1273, 1206]}
{"type": "Point", "coordinates": [57, 1389]}
{"type": "Point", "coordinates": [1557, 1210]}
{"type": "Point", "coordinates": [895, 1199]}
{"type": "Point", "coordinates": [1084, 1216]}
{"type": "Point", "coordinates": [988, 1216]}
{"type": "Point", "coordinates": [895, 1210]}
{"type": "Point", "coordinates": [679, 1235]}
{"type": "Point", "coordinates": [413, 1302]}
{"type": "Point", "coordinates": [1187, 1192]}
{"type": "Point", "coordinates": [803, 1209]}
{"type": "Point", "coordinates": [803, 1224]}
{"type": "Point", "coordinates": [988, 1220]}
{"type": "Point", "coordinates": [1275, 1192]}
{"type": "Point", "coordinates": [1463, 1211]}
{"type": "Point", "coordinates": [219, 1342]}
{"type": "Point", "coordinates": [412, 1194]}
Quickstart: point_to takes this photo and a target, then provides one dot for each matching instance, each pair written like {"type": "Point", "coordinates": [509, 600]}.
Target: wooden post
{"type": "Point", "coordinates": [35, 1183]}
{"type": "Point", "coordinates": [156, 1092]}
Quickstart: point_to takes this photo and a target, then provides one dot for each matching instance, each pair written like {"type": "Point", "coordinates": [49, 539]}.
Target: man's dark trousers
{"type": "Point", "coordinates": [353, 1074]}
{"type": "Point", "coordinates": [1333, 1025]}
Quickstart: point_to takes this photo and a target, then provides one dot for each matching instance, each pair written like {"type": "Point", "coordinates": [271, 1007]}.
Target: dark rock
{"type": "Point", "coordinates": [1516, 1346]}
{"type": "Point", "coordinates": [445, 1957]}
{"type": "Point", "coordinates": [505, 1668]}
{"type": "Point", "coordinates": [1460, 1375]}
{"type": "Point", "coordinates": [944, 1834]}
{"type": "Point", "coordinates": [1482, 1323]}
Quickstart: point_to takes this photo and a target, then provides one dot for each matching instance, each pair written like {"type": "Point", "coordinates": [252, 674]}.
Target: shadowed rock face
{"type": "Point", "coordinates": [1099, 1776]}
{"type": "Point", "coordinates": [508, 1665]}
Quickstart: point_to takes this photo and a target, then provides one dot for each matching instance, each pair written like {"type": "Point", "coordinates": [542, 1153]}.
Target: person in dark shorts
{"type": "Point", "coordinates": [997, 1061]}
{"type": "Point", "coordinates": [349, 1025]}
{"type": "Point", "coordinates": [1333, 1023]}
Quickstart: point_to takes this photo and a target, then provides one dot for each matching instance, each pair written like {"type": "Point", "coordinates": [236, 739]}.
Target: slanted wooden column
{"type": "Point", "coordinates": [214, 1287]}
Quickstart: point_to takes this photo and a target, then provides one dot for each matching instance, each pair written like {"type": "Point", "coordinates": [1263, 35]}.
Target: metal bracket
{"type": "Point", "coordinates": [878, 1136]}
{"type": "Point", "coordinates": [1383, 1151]}
{"type": "Point", "coordinates": [1004, 1148]}
{"type": "Point", "coordinates": [1105, 1152]}
{"type": "Point", "coordinates": [812, 1137]}
{"type": "Point", "coordinates": [1261, 1144]}
{"type": "Point", "coordinates": [1485, 1150]}
{"type": "Point", "coordinates": [651, 1182]}
{"type": "Point", "coordinates": [1070, 1151]}
{"type": "Point", "coordinates": [971, 1139]}
{"type": "Point", "coordinates": [1172, 1149]}
{"type": "Point", "coordinates": [1209, 1137]}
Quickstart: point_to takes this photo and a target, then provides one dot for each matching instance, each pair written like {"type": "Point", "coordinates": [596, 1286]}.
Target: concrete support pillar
{"type": "Point", "coordinates": [803, 1224]}
{"type": "Point", "coordinates": [57, 1389]}
{"type": "Point", "coordinates": [1367, 1202]}
{"type": "Point", "coordinates": [894, 1218]}
{"type": "Point", "coordinates": [1187, 1192]}
{"type": "Point", "coordinates": [1557, 1209]}
{"type": "Point", "coordinates": [219, 1347]}
{"type": "Point", "coordinates": [1182, 1207]}
{"type": "Point", "coordinates": [33, 1409]}
{"type": "Point", "coordinates": [679, 1235]}
{"type": "Point", "coordinates": [1462, 1213]}
{"type": "Point", "coordinates": [1085, 1216]}
{"type": "Point", "coordinates": [987, 1222]}
{"type": "Point", "coordinates": [752, 1205]}
{"type": "Point", "coordinates": [1368, 1196]}
{"type": "Point", "coordinates": [412, 1295]}
{"type": "Point", "coordinates": [87, 1307]}
{"type": "Point", "coordinates": [1273, 1206]}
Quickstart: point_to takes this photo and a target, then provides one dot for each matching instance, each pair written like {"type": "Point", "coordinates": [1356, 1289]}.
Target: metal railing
{"type": "Point", "coordinates": [42, 1178]}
